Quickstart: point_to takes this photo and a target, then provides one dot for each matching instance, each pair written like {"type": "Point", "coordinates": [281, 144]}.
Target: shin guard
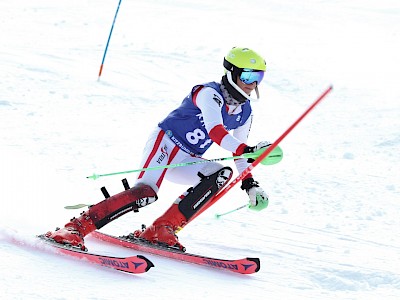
{"type": "Point", "coordinates": [196, 197]}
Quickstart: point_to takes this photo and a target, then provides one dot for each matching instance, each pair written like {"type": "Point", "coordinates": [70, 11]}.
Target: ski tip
{"type": "Point", "coordinates": [149, 263]}
{"type": "Point", "coordinates": [256, 261]}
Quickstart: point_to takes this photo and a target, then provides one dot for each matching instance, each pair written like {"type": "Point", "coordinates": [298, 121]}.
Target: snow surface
{"type": "Point", "coordinates": [332, 228]}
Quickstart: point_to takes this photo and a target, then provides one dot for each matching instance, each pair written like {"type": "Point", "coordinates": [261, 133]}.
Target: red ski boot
{"type": "Point", "coordinates": [164, 228]}
{"type": "Point", "coordinates": [74, 231]}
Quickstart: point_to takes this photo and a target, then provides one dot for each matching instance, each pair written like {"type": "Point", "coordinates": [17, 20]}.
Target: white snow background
{"type": "Point", "coordinates": [332, 229]}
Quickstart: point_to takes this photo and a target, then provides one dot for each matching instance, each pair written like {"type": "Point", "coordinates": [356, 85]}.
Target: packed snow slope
{"type": "Point", "coordinates": [331, 230]}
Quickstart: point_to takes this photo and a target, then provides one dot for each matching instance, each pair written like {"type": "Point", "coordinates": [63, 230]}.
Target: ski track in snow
{"type": "Point", "coordinates": [332, 228]}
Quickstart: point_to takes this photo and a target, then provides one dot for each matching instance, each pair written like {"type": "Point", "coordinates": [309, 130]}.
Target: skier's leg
{"type": "Point", "coordinates": [158, 148]}
{"type": "Point", "coordinates": [102, 213]}
{"type": "Point", "coordinates": [163, 229]}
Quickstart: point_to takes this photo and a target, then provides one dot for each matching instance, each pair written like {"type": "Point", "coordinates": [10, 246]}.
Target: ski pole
{"type": "Point", "coordinates": [231, 211]}
{"type": "Point", "coordinates": [261, 157]}
{"type": "Point", "coordinates": [273, 158]}
{"type": "Point", "coordinates": [108, 41]}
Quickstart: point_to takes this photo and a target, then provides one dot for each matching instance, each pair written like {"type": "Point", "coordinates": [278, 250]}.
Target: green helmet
{"type": "Point", "coordinates": [245, 64]}
{"type": "Point", "coordinates": [244, 58]}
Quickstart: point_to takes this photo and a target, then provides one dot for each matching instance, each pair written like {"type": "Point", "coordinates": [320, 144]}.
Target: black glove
{"type": "Point", "coordinates": [254, 149]}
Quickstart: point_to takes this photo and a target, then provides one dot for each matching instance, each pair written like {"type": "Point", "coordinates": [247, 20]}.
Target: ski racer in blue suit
{"type": "Point", "coordinates": [206, 115]}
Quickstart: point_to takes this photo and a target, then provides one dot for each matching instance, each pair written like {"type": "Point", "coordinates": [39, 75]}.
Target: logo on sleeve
{"type": "Point", "coordinates": [218, 100]}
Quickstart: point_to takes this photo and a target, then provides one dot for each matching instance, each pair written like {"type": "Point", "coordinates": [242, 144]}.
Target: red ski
{"type": "Point", "coordinates": [133, 264]}
{"type": "Point", "coordinates": [242, 266]}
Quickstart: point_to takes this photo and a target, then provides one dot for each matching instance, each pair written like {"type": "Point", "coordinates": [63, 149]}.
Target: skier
{"type": "Point", "coordinates": [205, 116]}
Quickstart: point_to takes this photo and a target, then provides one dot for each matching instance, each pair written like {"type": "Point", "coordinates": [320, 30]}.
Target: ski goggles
{"type": "Point", "coordinates": [248, 76]}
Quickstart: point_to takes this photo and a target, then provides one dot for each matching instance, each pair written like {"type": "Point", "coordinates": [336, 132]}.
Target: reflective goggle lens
{"type": "Point", "coordinates": [249, 76]}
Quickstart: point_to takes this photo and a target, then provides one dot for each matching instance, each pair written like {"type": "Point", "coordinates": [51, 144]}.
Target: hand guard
{"type": "Point", "coordinates": [258, 198]}
{"type": "Point", "coordinates": [255, 148]}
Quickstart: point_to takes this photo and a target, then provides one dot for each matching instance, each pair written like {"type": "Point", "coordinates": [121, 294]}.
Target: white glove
{"type": "Point", "coordinates": [258, 199]}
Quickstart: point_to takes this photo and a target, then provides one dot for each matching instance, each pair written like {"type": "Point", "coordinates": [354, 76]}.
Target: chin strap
{"type": "Point", "coordinates": [257, 93]}
{"type": "Point", "coordinates": [230, 80]}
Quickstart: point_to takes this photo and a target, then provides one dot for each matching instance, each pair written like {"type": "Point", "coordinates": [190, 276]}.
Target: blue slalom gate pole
{"type": "Point", "coordinates": [108, 41]}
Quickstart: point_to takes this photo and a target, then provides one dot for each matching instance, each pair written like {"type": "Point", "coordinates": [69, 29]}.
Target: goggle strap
{"type": "Point", "coordinates": [228, 65]}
